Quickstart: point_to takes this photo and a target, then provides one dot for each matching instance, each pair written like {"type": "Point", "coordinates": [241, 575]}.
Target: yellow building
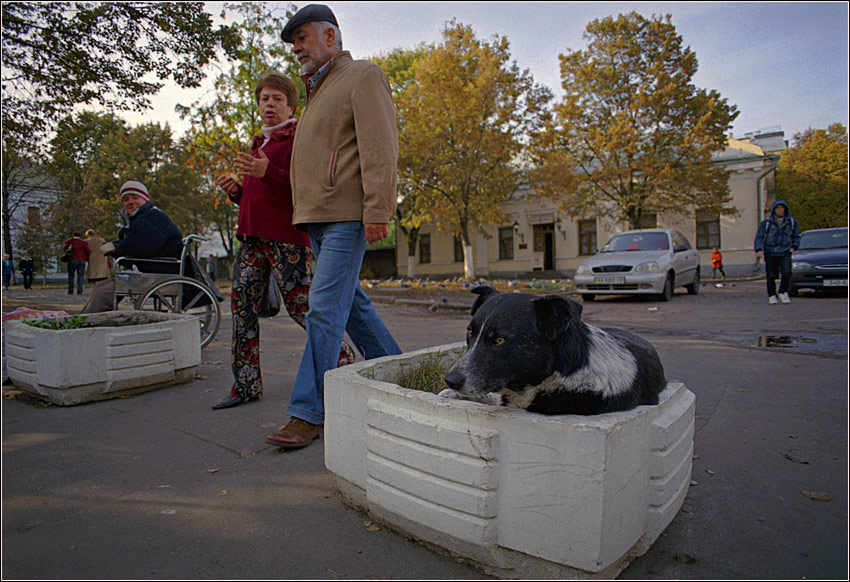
{"type": "Point", "coordinates": [536, 241]}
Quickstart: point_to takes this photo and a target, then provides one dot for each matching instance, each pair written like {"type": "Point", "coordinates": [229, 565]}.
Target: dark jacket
{"type": "Point", "coordinates": [26, 266]}
{"type": "Point", "coordinates": [777, 240]}
{"type": "Point", "coordinates": [150, 234]}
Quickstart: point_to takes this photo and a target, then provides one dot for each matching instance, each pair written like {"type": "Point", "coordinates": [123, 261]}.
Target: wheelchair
{"type": "Point", "coordinates": [188, 291]}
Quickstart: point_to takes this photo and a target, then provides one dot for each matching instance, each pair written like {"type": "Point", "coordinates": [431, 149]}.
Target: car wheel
{"type": "Point", "coordinates": [588, 297]}
{"type": "Point", "coordinates": [693, 288]}
{"type": "Point", "coordinates": [667, 294]}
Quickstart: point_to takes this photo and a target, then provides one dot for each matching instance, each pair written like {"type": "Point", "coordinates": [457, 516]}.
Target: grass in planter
{"type": "Point", "coordinates": [429, 376]}
{"type": "Point", "coordinates": [73, 322]}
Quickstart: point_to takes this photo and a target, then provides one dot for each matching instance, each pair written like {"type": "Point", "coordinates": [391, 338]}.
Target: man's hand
{"type": "Point", "coordinates": [376, 232]}
{"type": "Point", "coordinates": [760, 254]}
{"type": "Point", "coordinates": [248, 165]}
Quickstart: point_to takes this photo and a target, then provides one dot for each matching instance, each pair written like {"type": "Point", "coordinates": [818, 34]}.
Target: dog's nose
{"type": "Point", "coordinates": [454, 380]}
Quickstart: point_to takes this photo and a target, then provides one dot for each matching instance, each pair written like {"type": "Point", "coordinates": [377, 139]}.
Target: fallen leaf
{"type": "Point", "coordinates": [223, 492]}
{"type": "Point", "coordinates": [212, 470]}
{"type": "Point", "coordinates": [246, 453]}
{"type": "Point", "coordinates": [795, 459]}
{"type": "Point", "coordinates": [685, 558]}
{"type": "Point", "coordinates": [709, 471]}
{"type": "Point", "coordinates": [695, 457]}
{"type": "Point", "coordinates": [373, 528]}
{"type": "Point", "coordinates": [818, 495]}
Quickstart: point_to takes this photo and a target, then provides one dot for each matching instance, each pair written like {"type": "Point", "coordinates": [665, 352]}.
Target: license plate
{"type": "Point", "coordinates": [835, 282]}
{"type": "Point", "coordinates": [609, 280]}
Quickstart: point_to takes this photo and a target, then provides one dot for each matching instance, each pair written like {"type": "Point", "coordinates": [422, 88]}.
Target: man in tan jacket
{"type": "Point", "coordinates": [343, 176]}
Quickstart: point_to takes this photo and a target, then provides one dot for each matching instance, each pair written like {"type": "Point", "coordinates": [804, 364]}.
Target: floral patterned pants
{"type": "Point", "coordinates": [256, 261]}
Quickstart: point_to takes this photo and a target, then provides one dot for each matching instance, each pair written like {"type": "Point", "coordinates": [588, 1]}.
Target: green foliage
{"type": "Point", "coordinates": [58, 55]}
{"type": "Point", "coordinates": [59, 324]}
{"type": "Point", "coordinates": [429, 376]}
{"type": "Point", "coordinates": [632, 134]}
{"type": "Point", "coordinates": [93, 154]}
{"type": "Point", "coordinates": [812, 177]}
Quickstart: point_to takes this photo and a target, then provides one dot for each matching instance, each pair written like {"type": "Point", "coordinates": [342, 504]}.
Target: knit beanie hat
{"type": "Point", "coordinates": [133, 187]}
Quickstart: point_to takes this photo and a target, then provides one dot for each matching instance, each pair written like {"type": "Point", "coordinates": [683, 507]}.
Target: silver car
{"type": "Point", "coordinates": [651, 261]}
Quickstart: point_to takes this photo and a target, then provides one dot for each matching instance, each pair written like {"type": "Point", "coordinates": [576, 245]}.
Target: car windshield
{"type": "Point", "coordinates": [831, 239]}
{"type": "Point", "coordinates": [638, 241]}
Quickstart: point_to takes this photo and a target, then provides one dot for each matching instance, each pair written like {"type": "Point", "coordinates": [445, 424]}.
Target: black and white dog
{"type": "Point", "coordinates": [535, 352]}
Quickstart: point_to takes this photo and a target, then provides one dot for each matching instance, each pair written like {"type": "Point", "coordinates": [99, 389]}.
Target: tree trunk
{"type": "Point", "coordinates": [468, 261]}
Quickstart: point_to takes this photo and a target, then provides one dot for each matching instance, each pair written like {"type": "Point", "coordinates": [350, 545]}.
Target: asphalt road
{"type": "Point", "coordinates": [159, 486]}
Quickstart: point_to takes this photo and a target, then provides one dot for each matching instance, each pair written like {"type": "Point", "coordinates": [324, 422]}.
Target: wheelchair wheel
{"type": "Point", "coordinates": [184, 295]}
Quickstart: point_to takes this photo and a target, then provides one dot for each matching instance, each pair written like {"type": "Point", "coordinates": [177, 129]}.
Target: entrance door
{"type": "Point", "coordinates": [543, 258]}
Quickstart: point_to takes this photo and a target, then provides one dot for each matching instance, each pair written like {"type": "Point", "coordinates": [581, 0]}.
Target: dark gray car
{"type": "Point", "coordinates": [821, 261]}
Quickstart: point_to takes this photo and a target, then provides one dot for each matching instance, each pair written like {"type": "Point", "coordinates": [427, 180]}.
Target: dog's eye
{"type": "Point", "coordinates": [500, 340]}
{"type": "Point", "coordinates": [469, 333]}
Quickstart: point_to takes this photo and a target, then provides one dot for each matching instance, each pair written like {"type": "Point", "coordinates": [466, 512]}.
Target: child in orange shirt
{"type": "Point", "coordinates": [716, 263]}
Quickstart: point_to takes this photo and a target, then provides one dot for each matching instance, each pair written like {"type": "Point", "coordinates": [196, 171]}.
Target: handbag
{"type": "Point", "coordinates": [270, 303]}
{"type": "Point", "coordinates": [66, 257]}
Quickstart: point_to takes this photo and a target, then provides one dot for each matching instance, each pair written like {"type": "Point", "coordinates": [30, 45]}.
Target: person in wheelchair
{"type": "Point", "coordinates": [149, 234]}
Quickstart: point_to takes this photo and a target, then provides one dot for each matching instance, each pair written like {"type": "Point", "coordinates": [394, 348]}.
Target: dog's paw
{"type": "Point", "coordinates": [494, 399]}
{"type": "Point", "coordinates": [450, 393]}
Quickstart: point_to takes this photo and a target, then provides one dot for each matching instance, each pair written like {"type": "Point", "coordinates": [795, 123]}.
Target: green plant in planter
{"type": "Point", "coordinates": [73, 322]}
{"type": "Point", "coordinates": [429, 376]}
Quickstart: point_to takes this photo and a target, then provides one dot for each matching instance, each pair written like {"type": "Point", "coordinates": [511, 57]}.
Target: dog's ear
{"type": "Point", "coordinates": [484, 293]}
{"type": "Point", "coordinates": [554, 315]}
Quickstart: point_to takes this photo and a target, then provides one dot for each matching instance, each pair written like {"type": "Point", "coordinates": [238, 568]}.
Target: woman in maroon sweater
{"type": "Point", "coordinates": [270, 245]}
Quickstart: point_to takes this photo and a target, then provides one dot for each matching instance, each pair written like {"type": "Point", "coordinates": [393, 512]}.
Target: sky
{"type": "Point", "coordinates": [782, 64]}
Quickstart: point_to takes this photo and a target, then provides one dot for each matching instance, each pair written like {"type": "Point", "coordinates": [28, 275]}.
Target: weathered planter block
{"type": "Point", "coordinates": [522, 495]}
{"type": "Point", "coordinates": [74, 366]}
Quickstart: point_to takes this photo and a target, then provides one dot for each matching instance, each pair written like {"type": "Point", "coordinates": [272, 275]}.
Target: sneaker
{"type": "Point", "coordinates": [772, 300]}
{"type": "Point", "coordinates": [783, 297]}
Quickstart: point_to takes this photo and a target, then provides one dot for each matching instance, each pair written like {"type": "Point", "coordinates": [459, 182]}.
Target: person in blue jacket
{"type": "Point", "coordinates": [150, 233]}
{"type": "Point", "coordinates": [778, 237]}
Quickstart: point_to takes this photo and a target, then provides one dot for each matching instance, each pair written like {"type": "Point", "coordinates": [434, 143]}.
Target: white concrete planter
{"type": "Point", "coordinates": [522, 495]}
{"type": "Point", "coordinates": [96, 363]}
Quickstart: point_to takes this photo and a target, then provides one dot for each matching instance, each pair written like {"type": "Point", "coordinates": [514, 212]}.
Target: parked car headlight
{"type": "Point", "coordinates": [799, 265]}
{"type": "Point", "coordinates": [582, 269]}
{"type": "Point", "coordinates": [651, 267]}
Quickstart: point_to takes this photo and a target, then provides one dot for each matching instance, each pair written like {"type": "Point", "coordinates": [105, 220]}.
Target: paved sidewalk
{"type": "Point", "coordinates": [159, 486]}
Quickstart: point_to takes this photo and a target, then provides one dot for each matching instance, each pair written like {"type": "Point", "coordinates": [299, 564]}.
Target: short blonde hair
{"type": "Point", "coordinates": [281, 83]}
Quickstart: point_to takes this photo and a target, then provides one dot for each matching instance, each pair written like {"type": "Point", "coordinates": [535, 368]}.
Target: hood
{"type": "Point", "coordinates": [783, 203]}
{"type": "Point", "coordinates": [624, 258]}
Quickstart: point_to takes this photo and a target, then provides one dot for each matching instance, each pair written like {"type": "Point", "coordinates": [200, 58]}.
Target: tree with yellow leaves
{"type": "Point", "coordinates": [633, 135]}
{"type": "Point", "coordinates": [463, 120]}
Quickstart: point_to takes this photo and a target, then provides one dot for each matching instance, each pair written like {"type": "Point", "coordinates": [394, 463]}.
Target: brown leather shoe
{"type": "Point", "coordinates": [296, 434]}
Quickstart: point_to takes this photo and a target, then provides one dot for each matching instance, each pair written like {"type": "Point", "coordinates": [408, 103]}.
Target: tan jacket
{"type": "Point", "coordinates": [345, 154]}
{"type": "Point", "coordinates": [98, 263]}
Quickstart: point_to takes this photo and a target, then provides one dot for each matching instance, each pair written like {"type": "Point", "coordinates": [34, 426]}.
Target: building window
{"type": "Point", "coordinates": [648, 221]}
{"type": "Point", "coordinates": [586, 237]}
{"type": "Point", "coordinates": [708, 230]}
{"type": "Point", "coordinates": [424, 248]}
{"type": "Point", "coordinates": [458, 249]}
{"type": "Point", "coordinates": [34, 217]}
{"type": "Point", "coordinates": [506, 243]}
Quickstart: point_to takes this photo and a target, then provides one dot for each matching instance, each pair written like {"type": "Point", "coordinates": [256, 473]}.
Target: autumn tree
{"type": "Point", "coordinates": [633, 135]}
{"type": "Point", "coordinates": [93, 154]}
{"type": "Point", "coordinates": [464, 118]}
{"type": "Point", "coordinates": [400, 67]}
{"type": "Point", "coordinates": [113, 55]}
{"type": "Point", "coordinates": [812, 177]}
{"type": "Point", "coordinates": [223, 126]}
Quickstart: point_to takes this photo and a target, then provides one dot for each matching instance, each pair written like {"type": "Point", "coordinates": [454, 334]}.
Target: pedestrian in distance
{"type": "Point", "coordinates": [343, 175]}
{"type": "Point", "coordinates": [98, 262]}
{"type": "Point", "coordinates": [8, 271]}
{"type": "Point", "coordinates": [777, 238]}
{"type": "Point", "coordinates": [77, 261]}
{"type": "Point", "coordinates": [26, 266]}
{"type": "Point", "coordinates": [717, 263]}
{"type": "Point", "coordinates": [271, 251]}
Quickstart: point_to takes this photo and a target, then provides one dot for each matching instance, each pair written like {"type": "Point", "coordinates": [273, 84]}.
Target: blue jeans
{"type": "Point", "coordinates": [337, 305]}
{"type": "Point", "coordinates": [78, 268]}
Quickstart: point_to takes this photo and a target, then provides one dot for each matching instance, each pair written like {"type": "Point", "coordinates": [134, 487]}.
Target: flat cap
{"type": "Point", "coordinates": [309, 13]}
